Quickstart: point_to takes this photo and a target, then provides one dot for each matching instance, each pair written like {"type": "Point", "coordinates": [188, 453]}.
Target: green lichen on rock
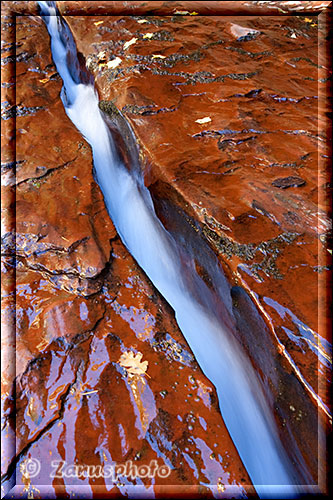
{"type": "Point", "coordinates": [109, 108]}
{"type": "Point", "coordinates": [270, 249]}
{"type": "Point", "coordinates": [228, 247]}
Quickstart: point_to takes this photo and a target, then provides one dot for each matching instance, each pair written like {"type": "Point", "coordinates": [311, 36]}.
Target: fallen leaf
{"type": "Point", "coordinates": [206, 119]}
{"type": "Point", "coordinates": [114, 63]}
{"type": "Point", "coordinates": [129, 43]}
{"type": "Point", "coordinates": [148, 35]}
{"type": "Point", "coordinates": [158, 56]}
{"type": "Point", "coordinates": [98, 22]}
{"type": "Point", "coordinates": [133, 364]}
{"type": "Point", "coordinates": [141, 21]}
{"type": "Point", "coordinates": [185, 12]}
{"type": "Point", "coordinates": [45, 80]}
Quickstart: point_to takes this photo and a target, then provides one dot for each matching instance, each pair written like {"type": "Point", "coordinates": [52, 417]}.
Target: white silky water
{"type": "Point", "coordinates": [245, 412]}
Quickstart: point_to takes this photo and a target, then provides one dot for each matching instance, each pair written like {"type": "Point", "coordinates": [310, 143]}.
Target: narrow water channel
{"type": "Point", "coordinates": [246, 413]}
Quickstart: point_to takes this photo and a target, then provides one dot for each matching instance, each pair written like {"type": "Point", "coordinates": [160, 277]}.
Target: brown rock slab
{"type": "Point", "coordinates": [78, 303]}
{"type": "Point", "coordinates": [222, 107]}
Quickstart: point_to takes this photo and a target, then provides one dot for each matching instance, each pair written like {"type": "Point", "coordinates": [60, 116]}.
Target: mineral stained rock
{"type": "Point", "coordinates": [83, 312]}
{"type": "Point", "coordinates": [230, 116]}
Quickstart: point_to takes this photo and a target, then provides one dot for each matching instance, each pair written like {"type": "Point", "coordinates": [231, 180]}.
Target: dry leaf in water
{"type": "Point", "coordinates": [133, 364]}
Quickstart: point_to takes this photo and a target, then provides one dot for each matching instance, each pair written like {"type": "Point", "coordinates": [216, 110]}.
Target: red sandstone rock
{"type": "Point", "coordinates": [257, 80]}
{"type": "Point", "coordinates": [220, 115]}
{"type": "Point", "coordinates": [81, 303]}
{"type": "Point", "coordinates": [165, 8]}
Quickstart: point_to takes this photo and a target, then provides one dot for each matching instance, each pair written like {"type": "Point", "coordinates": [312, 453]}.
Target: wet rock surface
{"type": "Point", "coordinates": [102, 374]}
{"type": "Point", "coordinates": [234, 149]}
{"type": "Point", "coordinates": [232, 124]}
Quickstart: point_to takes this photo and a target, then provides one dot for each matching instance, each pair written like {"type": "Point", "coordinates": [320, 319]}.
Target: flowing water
{"type": "Point", "coordinates": [245, 412]}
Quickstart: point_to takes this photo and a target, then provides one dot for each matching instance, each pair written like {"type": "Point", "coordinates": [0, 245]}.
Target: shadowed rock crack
{"type": "Point", "coordinates": [15, 244]}
{"type": "Point", "coordinates": [146, 110]}
{"type": "Point", "coordinates": [26, 249]}
{"type": "Point", "coordinates": [252, 55]}
{"type": "Point", "coordinates": [217, 133]}
{"type": "Point", "coordinates": [48, 172]}
{"type": "Point", "coordinates": [8, 111]}
{"type": "Point", "coordinates": [169, 61]}
{"type": "Point", "coordinates": [204, 76]}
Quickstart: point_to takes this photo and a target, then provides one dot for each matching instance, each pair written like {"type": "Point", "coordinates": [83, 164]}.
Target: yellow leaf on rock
{"type": "Point", "coordinates": [158, 56]}
{"type": "Point", "coordinates": [133, 364]}
{"type": "Point", "coordinates": [206, 119]}
{"type": "Point", "coordinates": [114, 63]}
{"type": "Point", "coordinates": [98, 22]}
{"type": "Point", "coordinates": [185, 12]}
{"type": "Point", "coordinates": [129, 43]}
{"type": "Point", "coordinates": [148, 35]}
